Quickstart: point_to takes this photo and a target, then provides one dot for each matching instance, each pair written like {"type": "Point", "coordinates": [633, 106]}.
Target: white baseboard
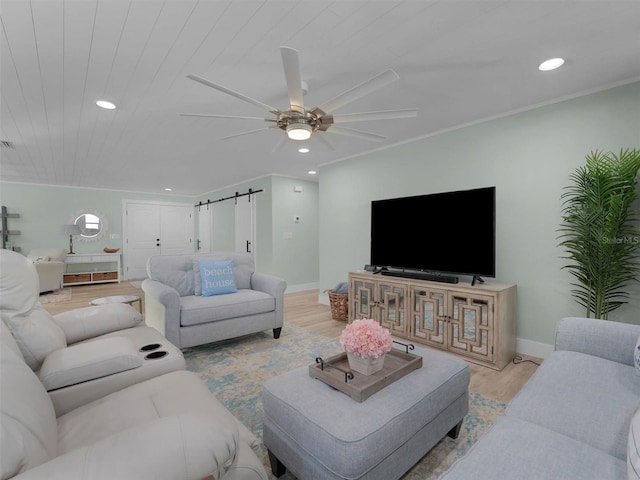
{"type": "Point", "coordinates": [323, 299]}
{"type": "Point", "coordinates": [534, 349]}
{"type": "Point", "coordinates": [301, 287]}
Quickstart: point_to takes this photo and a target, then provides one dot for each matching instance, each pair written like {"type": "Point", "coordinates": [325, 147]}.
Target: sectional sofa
{"type": "Point", "coordinates": [572, 419]}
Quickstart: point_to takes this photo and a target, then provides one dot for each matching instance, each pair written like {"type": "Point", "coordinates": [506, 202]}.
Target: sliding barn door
{"type": "Point", "coordinates": [245, 213]}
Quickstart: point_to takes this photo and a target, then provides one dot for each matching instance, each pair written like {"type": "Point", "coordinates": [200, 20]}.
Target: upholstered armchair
{"type": "Point", "coordinates": [49, 263]}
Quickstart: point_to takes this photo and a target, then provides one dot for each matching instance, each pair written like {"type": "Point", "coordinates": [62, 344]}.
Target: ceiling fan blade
{"type": "Point", "coordinates": [383, 115]}
{"type": "Point", "coordinates": [223, 116]}
{"type": "Point", "coordinates": [244, 133]}
{"type": "Point", "coordinates": [233, 93]}
{"type": "Point", "coordinates": [359, 91]}
{"type": "Point", "coordinates": [324, 141]}
{"type": "Point", "coordinates": [350, 132]}
{"type": "Point", "coordinates": [281, 143]}
{"type": "Point", "coordinates": [291, 63]}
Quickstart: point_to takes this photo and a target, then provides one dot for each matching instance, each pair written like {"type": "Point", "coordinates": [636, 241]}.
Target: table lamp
{"type": "Point", "coordinates": [71, 230]}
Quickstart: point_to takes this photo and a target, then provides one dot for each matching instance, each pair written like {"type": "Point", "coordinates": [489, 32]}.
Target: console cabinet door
{"type": "Point", "coordinates": [363, 303]}
{"type": "Point", "coordinates": [471, 319]}
{"type": "Point", "coordinates": [392, 306]}
{"type": "Point", "coordinates": [429, 320]}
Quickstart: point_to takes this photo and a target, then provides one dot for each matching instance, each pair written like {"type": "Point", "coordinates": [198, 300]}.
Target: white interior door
{"type": "Point", "coordinates": [176, 229]}
{"type": "Point", "coordinates": [154, 229]}
{"type": "Point", "coordinates": [205, 233]}
{"type": "Point", "coordinates": [245, 224]}
{"type": "Point", "coordinates": [142, 223]}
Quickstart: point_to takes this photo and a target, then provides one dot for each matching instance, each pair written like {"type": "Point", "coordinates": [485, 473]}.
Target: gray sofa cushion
{"type": "Point", "coordinates": [583, 397]}
{"type": "Point", "coordinates": [173, 270]}
{"type": "Point", "coordinates": [517, 449]}
{"type": "Point", "coordinates": [196, 310]}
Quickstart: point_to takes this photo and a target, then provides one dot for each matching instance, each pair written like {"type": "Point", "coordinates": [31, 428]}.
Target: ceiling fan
{"type": "Point", "coordinates": [298, 122]}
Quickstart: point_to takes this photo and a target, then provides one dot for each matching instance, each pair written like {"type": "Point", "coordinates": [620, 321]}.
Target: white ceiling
{"type": "Point", "coordinates": [458, 62]}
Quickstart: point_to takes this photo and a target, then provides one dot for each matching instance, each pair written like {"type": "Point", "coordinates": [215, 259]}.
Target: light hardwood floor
{"type": "Point", "coordinates": [302, 309]}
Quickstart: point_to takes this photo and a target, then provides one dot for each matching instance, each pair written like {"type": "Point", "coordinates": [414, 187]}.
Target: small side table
{"type": "Point", "coordinates": [128, 299]}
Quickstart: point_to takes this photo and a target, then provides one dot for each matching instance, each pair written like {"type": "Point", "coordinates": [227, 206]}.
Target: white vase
{"type": "Point", "coordinates": [365, 365]}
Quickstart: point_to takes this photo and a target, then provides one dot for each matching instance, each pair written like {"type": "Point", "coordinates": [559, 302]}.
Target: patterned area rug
{"type": "Point", "coordinates": [62, 295]}
{"type": "Point", "coordinates": [235, 371]}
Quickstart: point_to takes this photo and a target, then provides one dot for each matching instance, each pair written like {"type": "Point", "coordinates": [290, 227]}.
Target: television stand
{"type": "Point", "coordinates": [434, 277]}
{"type": "Point", "coordinates": [476, 322]}
{"type": "Point", "coordinates": [476, 278]}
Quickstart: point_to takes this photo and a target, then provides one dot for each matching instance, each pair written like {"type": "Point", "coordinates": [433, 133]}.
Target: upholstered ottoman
{"type": "Point", "coordinates": [318, 432]}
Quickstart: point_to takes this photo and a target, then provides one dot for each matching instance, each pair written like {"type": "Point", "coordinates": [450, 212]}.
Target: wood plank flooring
{"type": "Point", "coordinates": [302, 309]}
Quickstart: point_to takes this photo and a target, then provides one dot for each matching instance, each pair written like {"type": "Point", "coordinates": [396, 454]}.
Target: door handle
{"type": "Point", "coordinates": [248, 246]}
{"type": "Point", "coordinates": [198, 244]}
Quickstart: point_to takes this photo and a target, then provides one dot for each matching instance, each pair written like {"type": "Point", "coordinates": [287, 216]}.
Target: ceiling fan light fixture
{"type": "Point", "coordinates": [299, 131]}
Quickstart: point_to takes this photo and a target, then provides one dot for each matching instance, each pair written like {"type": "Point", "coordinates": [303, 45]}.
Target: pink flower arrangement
{"type": "Point", "coordinates": [366, 338]}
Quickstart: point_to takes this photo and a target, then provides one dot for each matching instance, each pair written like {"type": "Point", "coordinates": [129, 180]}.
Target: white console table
{"type": "Point", "coordinates": [86, 268]}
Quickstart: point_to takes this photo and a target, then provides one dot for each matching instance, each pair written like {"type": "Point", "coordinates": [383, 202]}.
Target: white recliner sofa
{"type": "Point", "coordinates": [49, 263]}
{"type": "Point", "coordinates": [166, 428]}
{"type": "Point", "coordinates": [83, 354]}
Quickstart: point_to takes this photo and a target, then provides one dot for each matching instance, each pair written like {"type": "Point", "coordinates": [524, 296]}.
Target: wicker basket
{"type": "Point", "coordinates": [339, 305]}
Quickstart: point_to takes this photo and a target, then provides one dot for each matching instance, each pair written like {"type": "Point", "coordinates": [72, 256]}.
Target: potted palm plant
{"type": "Point", "coordinates": [600, 232]}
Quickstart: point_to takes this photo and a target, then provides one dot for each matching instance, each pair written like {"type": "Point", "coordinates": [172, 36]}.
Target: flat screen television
{"type": "Point", "coordinates": [451, 232]}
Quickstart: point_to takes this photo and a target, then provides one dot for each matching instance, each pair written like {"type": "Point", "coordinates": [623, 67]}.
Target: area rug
{"type": "Point", "coordinates": [235, 371]}
{"type": "Point", "coordinates": [61, 295]}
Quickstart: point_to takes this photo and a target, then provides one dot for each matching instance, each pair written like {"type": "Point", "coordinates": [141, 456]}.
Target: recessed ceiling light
{"type": "Point", "coordinates": [303, 150]}
{"type": "Point", "coordinates": [168, 189]}
{"type": "Point", "coordinates": [312, 172]}
{"type": "Point", "coordinates": [105, 104]}
{"type": "Point", "coordinates": [551, 64]}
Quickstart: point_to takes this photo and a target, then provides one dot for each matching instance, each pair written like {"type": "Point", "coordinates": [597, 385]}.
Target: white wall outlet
{"type": "Point", "coordinates": [297, 188]}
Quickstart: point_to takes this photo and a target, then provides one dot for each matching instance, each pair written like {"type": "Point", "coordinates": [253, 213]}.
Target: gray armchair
{"type": "Point", "coordinates": [49, 263]}
{"type": "Point", "coordinates": [175, 306]}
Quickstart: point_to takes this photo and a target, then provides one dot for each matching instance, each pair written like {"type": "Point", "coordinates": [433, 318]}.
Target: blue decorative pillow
{"type": "Point", "coordinates": [217, 277]}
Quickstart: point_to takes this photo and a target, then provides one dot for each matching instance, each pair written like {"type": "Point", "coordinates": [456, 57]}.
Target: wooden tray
{"type": "Point", "coordinates": [396, 365]}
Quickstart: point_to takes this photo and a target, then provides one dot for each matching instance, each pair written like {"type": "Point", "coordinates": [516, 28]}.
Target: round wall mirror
{"type": "Point", "coordinates": [93, 225]}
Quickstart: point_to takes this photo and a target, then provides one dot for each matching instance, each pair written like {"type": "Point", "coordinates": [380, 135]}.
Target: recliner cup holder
{"type": "Point", "coordinates": [156, 355]}
{"type": "Point", "coordinates": [150, 347]}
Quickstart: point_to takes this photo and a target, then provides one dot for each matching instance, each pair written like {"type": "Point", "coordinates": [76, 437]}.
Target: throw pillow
{"type": "Point", "coordinates": [217, 277]}
{"type": "Point", "coordinates": [636, 356]}
{"type": "Point", "coordinates": [633, 446]}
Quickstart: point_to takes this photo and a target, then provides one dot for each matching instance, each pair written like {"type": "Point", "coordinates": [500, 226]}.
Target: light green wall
{"type": "Point", "coordinates": [224, 219]}
{"type": "Point", "coordinates": [527, 156]}
{"type": "Point", "coordinates": [44, 209]}
{"type": "Point", "coordinates": [294, 259]}
{"type": "Point", "coordinates": [295, 245]}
